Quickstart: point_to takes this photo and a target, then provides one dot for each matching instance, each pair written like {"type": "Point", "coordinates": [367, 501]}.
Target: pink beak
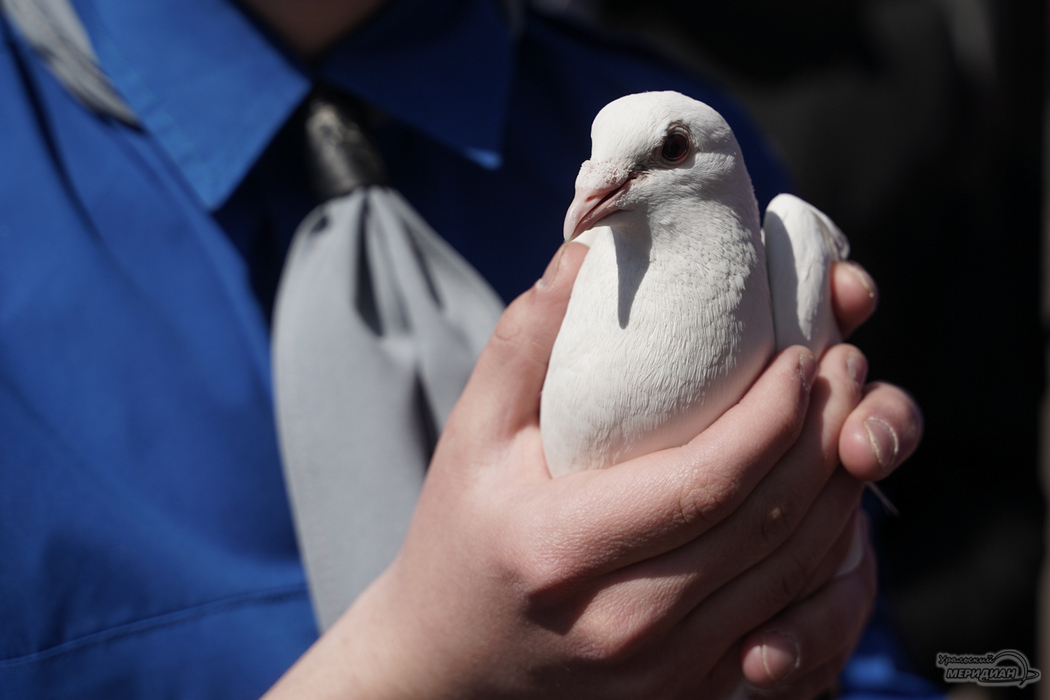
{"type": "Point", "coordinates": [592, 204]}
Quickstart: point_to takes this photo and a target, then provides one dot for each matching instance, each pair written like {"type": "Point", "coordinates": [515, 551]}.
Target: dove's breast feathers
{"type": "Point", "coordinates": [672, 317]}
{"type": "Point", "coordinates": [655, 345]}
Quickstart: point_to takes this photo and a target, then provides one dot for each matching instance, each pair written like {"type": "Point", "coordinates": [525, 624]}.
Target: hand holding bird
{"type": "Point", "coordinates": [670, 578]}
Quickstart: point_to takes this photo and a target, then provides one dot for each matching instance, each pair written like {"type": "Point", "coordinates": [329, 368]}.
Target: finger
{"type": "Point", "coordinates": [776, 582]}
{"type": "Point", "coordinates": [781, 532]}
{"type": "Point", "coordinates": [785, 497]}
{"type": "Point", "coordinates": [843, 557]}
{"type": "Point", "coordinates": [692, 674]}
{"type": "Point", "coordinates": [503, 391]}
{"type": "Point", "coordinates": [881, 432]}
{"type": "Point", "coordinates": [804, 496]}
{"type": "Point", "coordinates": [802, 687]}
{"type": "Point", "coordinates": [854, 295]}
{"type": "Point", "coordinates": [669, 671]}
{"type": "Point", "coordinates": [653, 504]}
{"type": "Point", "coordinates": [808, 635]}
{"type": "Point", "coordinates": [651, 595]}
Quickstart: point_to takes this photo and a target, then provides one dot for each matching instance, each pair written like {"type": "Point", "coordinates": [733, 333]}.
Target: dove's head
{"type": "Point", "coordinates": [652, 148]}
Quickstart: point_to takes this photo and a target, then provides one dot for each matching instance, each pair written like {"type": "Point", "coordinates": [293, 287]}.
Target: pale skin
{"type": "Point", "coordinates": [679, 574]}
{"type": "Point", "coordinates": [737, 562]}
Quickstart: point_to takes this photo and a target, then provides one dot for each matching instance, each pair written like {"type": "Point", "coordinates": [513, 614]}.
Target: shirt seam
{"type": "Point", "coordinates": [177, 617]}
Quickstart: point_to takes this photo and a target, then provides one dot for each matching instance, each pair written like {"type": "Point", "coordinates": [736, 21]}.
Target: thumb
{"type": "Point", "coordinates": [503, 393]}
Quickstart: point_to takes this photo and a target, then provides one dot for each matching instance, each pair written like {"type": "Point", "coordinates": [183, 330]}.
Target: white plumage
{"type": "Point", "coordinates": [671, 317]}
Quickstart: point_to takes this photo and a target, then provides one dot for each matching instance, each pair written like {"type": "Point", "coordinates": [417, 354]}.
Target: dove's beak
{"type": "Point", "coordinates": [593, 203]}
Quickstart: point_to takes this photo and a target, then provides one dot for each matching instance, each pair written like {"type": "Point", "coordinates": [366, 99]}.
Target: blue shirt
{"type": "Point", "coordinates": [146, 547]}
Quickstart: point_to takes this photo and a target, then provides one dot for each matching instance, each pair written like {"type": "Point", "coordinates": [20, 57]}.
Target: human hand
{"type": "Point", "coordinates": [879, 434]}
{"type": "Point", "coordinates": [886, 427]}
{"type": "Point", "coordinates": [635, 581]}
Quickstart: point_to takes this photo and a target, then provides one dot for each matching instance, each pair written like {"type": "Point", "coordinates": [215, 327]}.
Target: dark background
{"type": "Point", "coordinates": [917, 126]}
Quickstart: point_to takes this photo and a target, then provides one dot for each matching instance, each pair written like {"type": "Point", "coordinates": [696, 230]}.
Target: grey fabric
{"type": "Point", "coordinates": [378, 323]}
{"type": "Point", "coordinates": [56, 33]}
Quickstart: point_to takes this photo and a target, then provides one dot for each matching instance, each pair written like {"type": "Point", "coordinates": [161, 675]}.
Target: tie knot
{"type": "Point", "coordinates": [340, 155]}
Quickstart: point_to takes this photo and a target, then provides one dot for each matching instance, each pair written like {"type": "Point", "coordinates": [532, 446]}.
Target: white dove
{"type": "Point", "coordinates": [673, 316]}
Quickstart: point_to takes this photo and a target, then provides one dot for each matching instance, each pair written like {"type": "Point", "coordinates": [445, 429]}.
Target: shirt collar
{"type": "Point", "coordinates": [213, 89]}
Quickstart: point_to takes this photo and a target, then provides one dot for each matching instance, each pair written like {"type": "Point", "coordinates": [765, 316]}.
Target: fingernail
{"type": "Point", "coordinates": [857, 366]}
{"type": "Point", "coordinates": [780, 655]}
{"type": "Point", "coordinates": [856, 551]}
{"type": "Point", "coordinates": [551, 273]}
{"type": "Point", "coordinates": [884, 442]}
{"type": "Point", "coordinates": [864, 278]}
{"type": "Point", "coordinates": [807, 369]}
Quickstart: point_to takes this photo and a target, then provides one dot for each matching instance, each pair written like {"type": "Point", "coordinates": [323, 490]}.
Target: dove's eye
{"type": "Point", "coordinates": [675, 147]}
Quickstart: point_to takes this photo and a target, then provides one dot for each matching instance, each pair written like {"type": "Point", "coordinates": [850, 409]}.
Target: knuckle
{"type": "Point", "coordinates": [843, 371]}
{"type": "Point", "coordinates": [512, 343]}
{"type": "Point", "coordinates": [610, 635]}
{"type": "Point", "coordinates": [777, 525]}
{"type": "Point", "coordinates": [791, 421]}
{"type": "Point", "coordinates": [792, 579]}
{"type": "Point", "coordinates": [839, 628]}
{"type": "Point", "coordinates": [702, 501]}
{"type": "Point", "coordinates": [508, 329]}
{"type": "Point", "coordinates": [795, 393]}
{"type": "Point", "coordinates": [601, 648]}
{"type": "Point", "coordinates": [547, 568]}
{"type": "Point", "coordinates": [541, 573]}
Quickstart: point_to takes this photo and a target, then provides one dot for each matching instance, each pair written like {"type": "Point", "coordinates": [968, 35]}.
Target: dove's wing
{"type": "Point", "coordinates": [801, 243]}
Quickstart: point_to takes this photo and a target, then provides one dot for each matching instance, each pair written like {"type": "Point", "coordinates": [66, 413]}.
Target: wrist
{"type": "Point", "coordinates": [360, 656]}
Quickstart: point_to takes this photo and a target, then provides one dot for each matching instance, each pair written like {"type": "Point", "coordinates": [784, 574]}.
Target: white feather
{"type": "Point", "coordinates": [670, 319]}
{"type": "Point", "coordinates": [801, 244]}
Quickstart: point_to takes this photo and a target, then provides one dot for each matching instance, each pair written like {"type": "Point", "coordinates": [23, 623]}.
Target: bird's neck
{"type": "Point", "coordinates": [684, 223]}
